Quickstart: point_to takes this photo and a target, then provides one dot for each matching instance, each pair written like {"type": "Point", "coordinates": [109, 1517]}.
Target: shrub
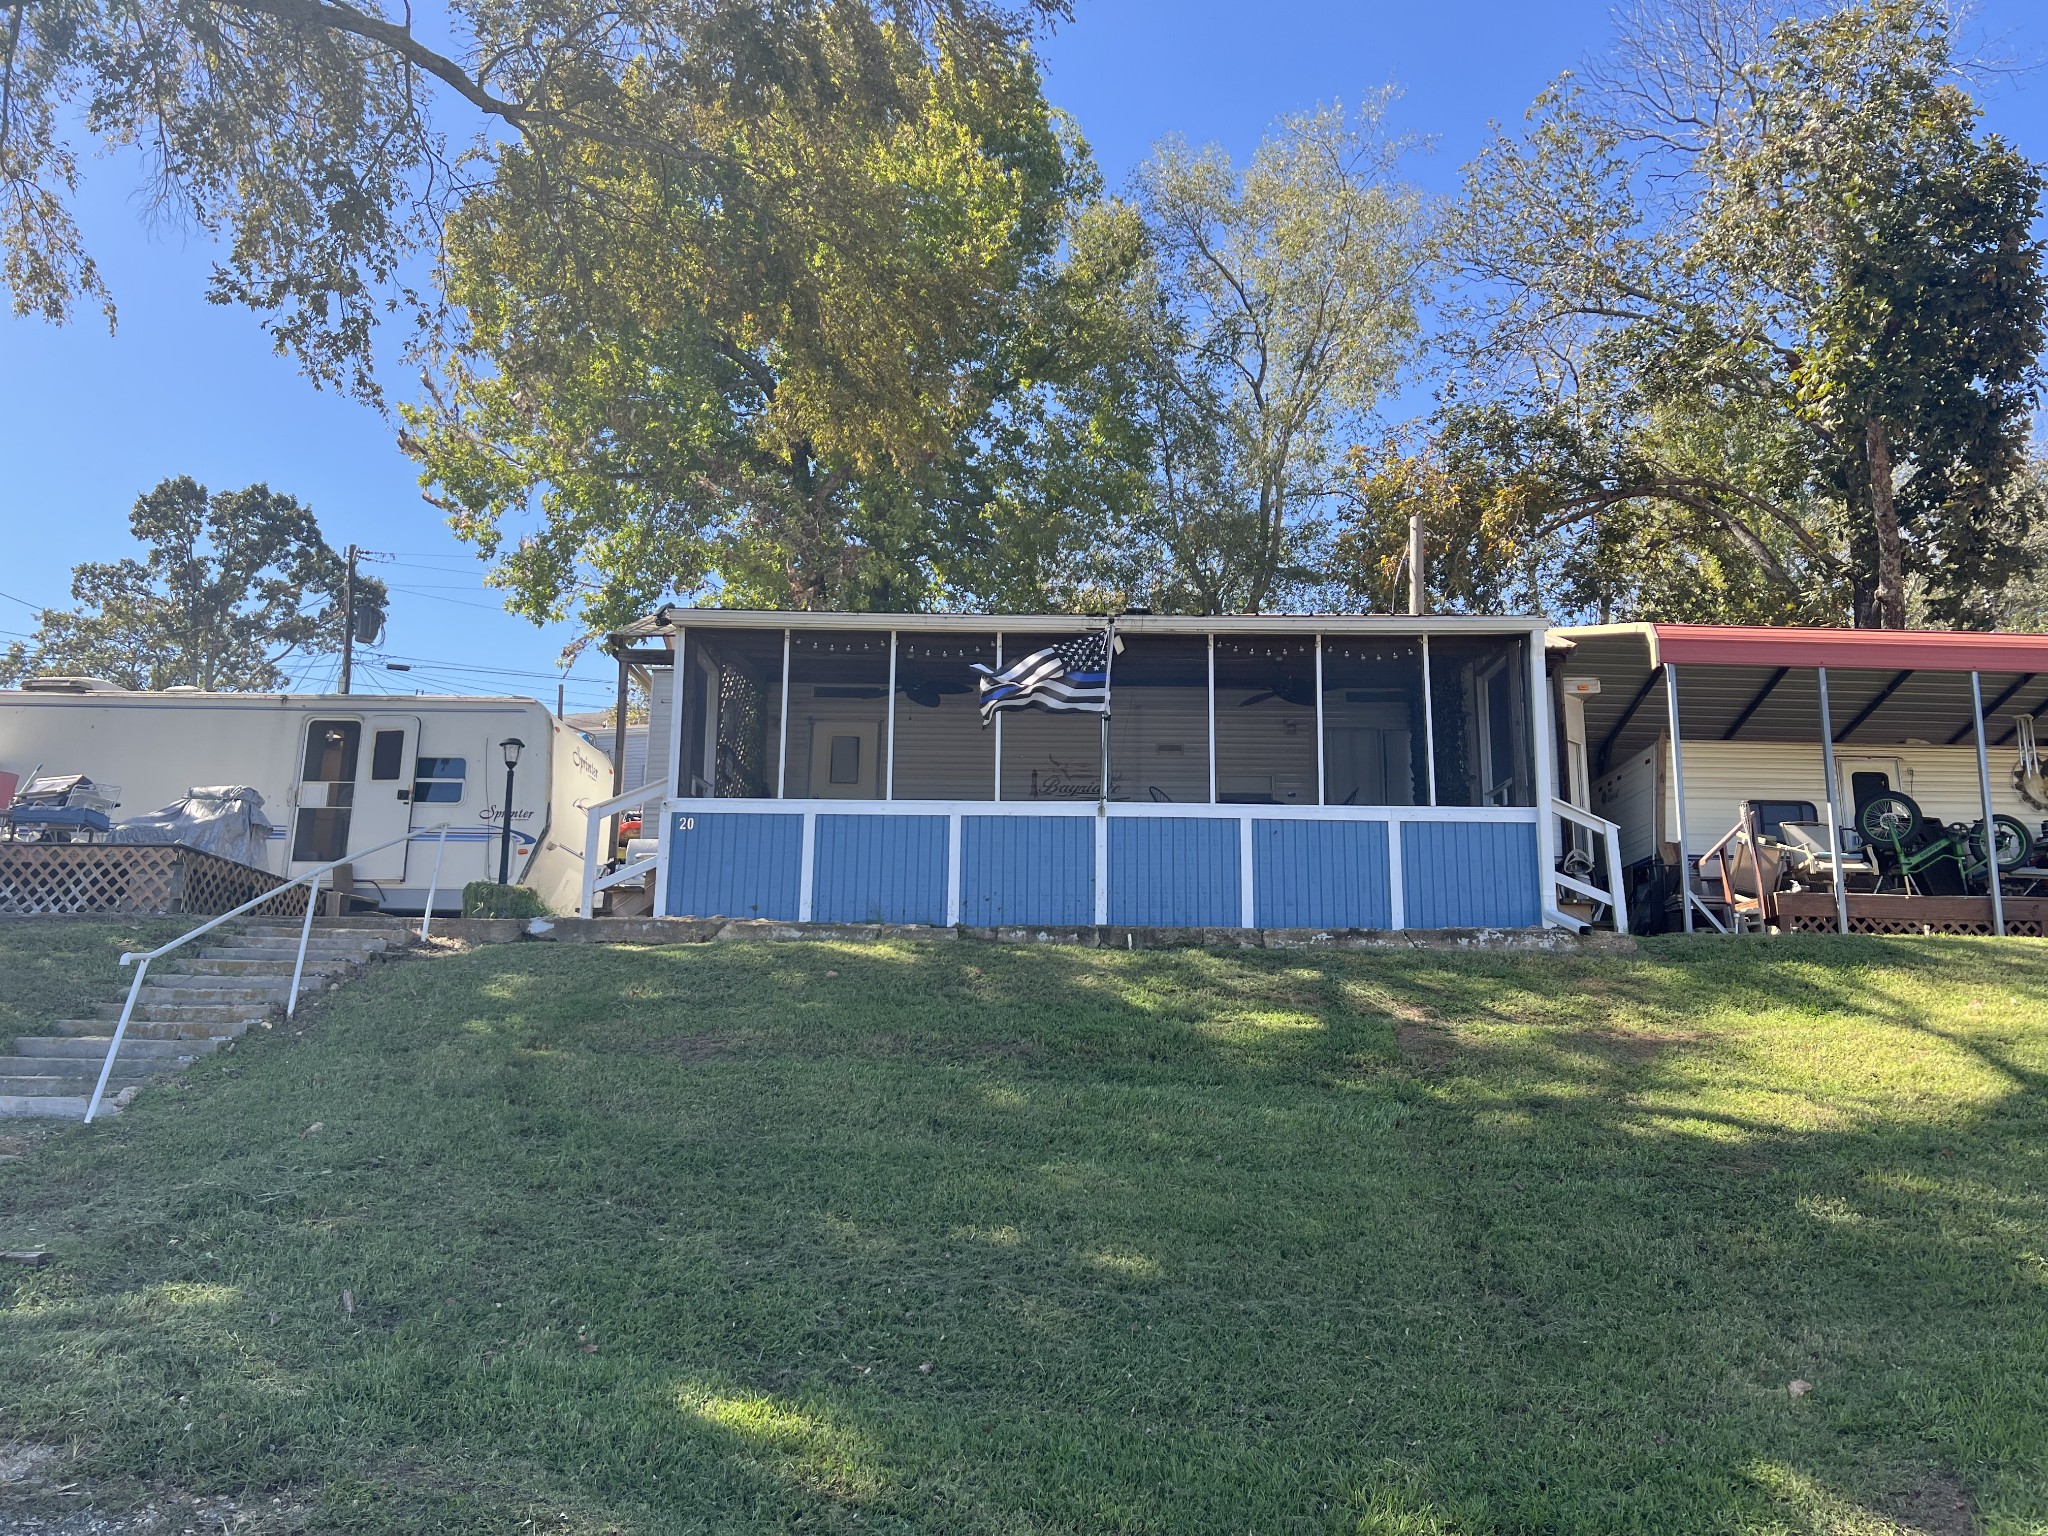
{"type": "Point", "coordinates": [487, 898]}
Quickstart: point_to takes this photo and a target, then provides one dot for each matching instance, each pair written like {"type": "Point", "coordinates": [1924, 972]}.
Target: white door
{"type": "Point", "coordinates": [383, 808]}
{"type": "Point", "coordinates": [843, 760]}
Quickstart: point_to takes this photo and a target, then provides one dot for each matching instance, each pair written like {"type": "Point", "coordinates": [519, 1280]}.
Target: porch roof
{"type": "Point", "coordinates": [1751, 683]}
{"type": "Point", "coordinates": [671, 618]}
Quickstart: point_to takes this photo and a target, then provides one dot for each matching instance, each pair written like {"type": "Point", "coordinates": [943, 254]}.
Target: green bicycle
{"type": "Point", "coordinates": [1928, 857]}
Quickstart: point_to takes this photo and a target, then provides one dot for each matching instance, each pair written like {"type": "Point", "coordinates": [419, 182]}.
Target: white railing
{"type": "Point", "coordinates": [595, 879]}
{"type": "Point", "coordinates": [311, 880]}
{"type": "Point", "coordinates": [1609, 835]}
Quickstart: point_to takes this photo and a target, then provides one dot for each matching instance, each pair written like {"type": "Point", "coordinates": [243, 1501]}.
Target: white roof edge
{"type": "Point", "coordinates": [1055, 623]}
{"type": "Point", "coordinates": [371, 703]}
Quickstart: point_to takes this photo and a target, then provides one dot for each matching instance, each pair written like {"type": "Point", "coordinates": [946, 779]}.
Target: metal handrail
{"type": "Point", "coordinates": [1610, 839]}
{"type": "Point", "coordinates": [594, 817]}
{"type": "Point", "coordinates": [311, 880]}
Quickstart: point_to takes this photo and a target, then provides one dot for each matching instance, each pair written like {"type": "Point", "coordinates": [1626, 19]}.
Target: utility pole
{"type": "Point", "coordinates": [348, 622]}
{"type": "Point", "coordinates": [1416, 590]}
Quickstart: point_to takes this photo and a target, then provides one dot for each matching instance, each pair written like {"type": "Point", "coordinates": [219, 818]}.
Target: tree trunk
{"type": "Point", "coordinates": [1884, 516]}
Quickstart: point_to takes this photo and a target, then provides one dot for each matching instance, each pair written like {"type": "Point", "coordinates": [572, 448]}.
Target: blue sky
{"type": "Point", "coordinates": [88, 420]}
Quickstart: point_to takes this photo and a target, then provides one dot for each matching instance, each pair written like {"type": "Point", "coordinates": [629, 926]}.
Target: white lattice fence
{"type": "Point", "coordinates": [76, 879]}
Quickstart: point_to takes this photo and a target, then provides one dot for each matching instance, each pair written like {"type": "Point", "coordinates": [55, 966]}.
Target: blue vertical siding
{"type": "Point", "coordinates": [879, 869]}
{"type": "Point", "coordinates": [1470, 874]}
{"type": "Point", "coordinates": [1320, 874]}
{"type": "Point", "coordinates": [1174, 872]}
{"type": "Point", "coordinates": [1027, 870]}
{"type": "Point", "coordinates": [735, 865]}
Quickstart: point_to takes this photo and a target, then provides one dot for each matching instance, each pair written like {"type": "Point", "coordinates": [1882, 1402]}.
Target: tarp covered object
{"type": "Point", "coordinates": [226, 819]}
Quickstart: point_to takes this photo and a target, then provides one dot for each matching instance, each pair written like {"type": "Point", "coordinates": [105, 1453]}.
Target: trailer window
{"type": "Point", "coordinates": [331, 747]}
{"type": "Point", "coordinates": [438, 780]}
{"type": "Point", "coordinates": [387, 754]}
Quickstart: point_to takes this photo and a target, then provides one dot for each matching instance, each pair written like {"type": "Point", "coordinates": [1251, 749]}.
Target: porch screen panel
{"type": "Point", "coordinates": [1049, 756]}
{"type": "Point", "coordinates": [1265, 720]}
{"type": "Point", "coordinates": [1375, 738]}
{"type": "Point", "coordinates": [732, 707]}
{"type": "Point", "coordinates": [838, 714]}
{"type": "Point", "coordinates": [942, 750]}
{"type": "Point", "coordinates": [1479, 695]}
{"type": "Point", "coordinates": [1159, 736]}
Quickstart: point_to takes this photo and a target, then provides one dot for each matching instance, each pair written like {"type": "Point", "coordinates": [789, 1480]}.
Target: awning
{"type": "Point", "coordinates": [1752, 683]}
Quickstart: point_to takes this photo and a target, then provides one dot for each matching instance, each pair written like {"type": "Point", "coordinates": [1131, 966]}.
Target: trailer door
{"type": "Point", "coordinates": [383, 807]}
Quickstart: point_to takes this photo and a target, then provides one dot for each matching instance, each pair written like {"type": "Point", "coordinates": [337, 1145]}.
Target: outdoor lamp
{"type": "Point", "coordinates": [511, 746]}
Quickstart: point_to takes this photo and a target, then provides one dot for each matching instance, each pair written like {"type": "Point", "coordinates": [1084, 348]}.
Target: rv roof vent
{"type": "Point", "coordinates": [68, 685]}
{"type": "Point", "coordinates": [183, 688]}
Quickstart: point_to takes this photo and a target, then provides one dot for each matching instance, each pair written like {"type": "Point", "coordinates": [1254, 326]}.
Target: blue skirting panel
{"type": "Point", "coordinates": [879, 869]}
{"type": "Point", "coordinates": [1320, 874]}
{"type": "Point", "coordinates": [735, 865]}
{"type": "Point", "coordinates": [1174, 872]}
{"type": "Point", "coordinates": [1470, 874]}
{"type": "Point", "coordinates": [1027, 870]}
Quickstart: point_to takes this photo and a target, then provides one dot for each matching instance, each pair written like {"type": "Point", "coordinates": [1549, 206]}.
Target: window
{"type": "Point", "coordinates": [1265, 720]}
{"type": "Point", "coordinates": [387, 755]}
{"type": "Point", "coordinates": [438, 780]}
{"type": "Point", "coordinates": [943, 752]}
{"type": "Point", "coordinates": [1159, 730]}
{"type": "Point", "coordinates": [331, 747]}
{"type": "Point", "coordinates": [1050, 755]}
{"type": "Point", "coordinates": [1478, 695]}
{"type": "Point", "coordinates": [1375, 738]}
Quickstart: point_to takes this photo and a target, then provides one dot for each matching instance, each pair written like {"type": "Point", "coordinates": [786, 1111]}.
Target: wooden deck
{"type": "Point", "coordinates": [1814, 912]}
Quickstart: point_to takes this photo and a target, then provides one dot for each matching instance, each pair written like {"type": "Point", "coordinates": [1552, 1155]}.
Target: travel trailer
{"type": "Point", "coordinates": [337, 773]}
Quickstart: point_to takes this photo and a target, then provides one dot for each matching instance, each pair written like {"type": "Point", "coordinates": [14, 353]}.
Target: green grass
{"type": "Point", "coordinates": [964, 1238]}
{"type": "Point", "coordinates": [54, 968]}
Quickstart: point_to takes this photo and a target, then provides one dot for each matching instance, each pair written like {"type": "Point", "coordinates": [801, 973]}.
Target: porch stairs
{"type": "Point", "coordinates": [186, 1011]}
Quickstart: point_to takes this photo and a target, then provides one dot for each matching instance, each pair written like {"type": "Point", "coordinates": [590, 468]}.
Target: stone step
{"type": "Point", "coordinates": [127, 1069]}
{"type": "Point", "coordinates": [330, 933]}
{"type": "Point", "coordinates": [218, 963]}
{"type": "Point", "coordinates": [184, 1013]}
{"type": "Point", "coordinates": [288, 938]}
{"type": "Point", "coordinates": [50, 1106]}
{"type": "Point", "coordinates": [286, 955]}
{"type": "Point", "coordinates": [45, 1085]}
{"type": "Point", "coordinates": [94, 1048]}
{"type": "Point", "coordinates": [224, 989]}
{"type": "Point", "coordinates": [150, 1029]}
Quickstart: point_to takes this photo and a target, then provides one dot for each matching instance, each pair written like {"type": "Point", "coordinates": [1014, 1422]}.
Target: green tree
{"type": "Point", "coordinates": [694, 402]}
{"type": "Point", "coordinates": [1753, 328]}
{"type": "Point", "coordinates": [232, 585]}
{"type": "Point", "coordinates": [1275, 307]}
{"type": "Point", "coordinates": [327, 143]}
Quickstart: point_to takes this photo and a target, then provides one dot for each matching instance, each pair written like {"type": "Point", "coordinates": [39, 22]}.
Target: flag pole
{"type": "Point", "coordinates": [1108, 666]}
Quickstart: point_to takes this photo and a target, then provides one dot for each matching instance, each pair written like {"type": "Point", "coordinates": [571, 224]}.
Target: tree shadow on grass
{"type": "Point", "coordinates": [1051, 1240]}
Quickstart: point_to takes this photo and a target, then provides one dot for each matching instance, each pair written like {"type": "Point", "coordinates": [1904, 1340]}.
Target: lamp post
{"type": "Point", "coordinates": [511, 746]}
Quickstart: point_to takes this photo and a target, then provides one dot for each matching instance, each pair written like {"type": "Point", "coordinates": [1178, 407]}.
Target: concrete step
{"type": "Point", "coordinates": [283, 957]}
{"type": "Point", "coordinates": [224, 989]}
{"type": "Point", "coordinates": [150, 1029]}
{"type": "Point", "coordinates": [331, 933]}
{"type": "Point", "coordinates": [220, 963]}
{"type": "Point", "coordinates": [352, 943]}
{"type": "Point", "coordinates": [50, 1106]}
{"type": "Point", "coordinates": [184, 1013]}
{"type": "Point", "coordinates": [47, 1085]}
{"type": "Point", "coordinates": [127, 1069]}
{"type": "Point", "coordinates": [94, 1048]}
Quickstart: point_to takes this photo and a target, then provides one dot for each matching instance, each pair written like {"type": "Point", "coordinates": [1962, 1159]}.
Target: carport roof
{"type": "Point", "coordinates": [1750, 683]}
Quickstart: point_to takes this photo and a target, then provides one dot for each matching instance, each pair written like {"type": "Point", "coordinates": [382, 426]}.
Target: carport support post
{"type": "Point", "coordinates": [1678, 796]}
{"type": "Point", "coordinates": [1827, 759]}
{"type": "Point", "coordinates": [1984, 789]}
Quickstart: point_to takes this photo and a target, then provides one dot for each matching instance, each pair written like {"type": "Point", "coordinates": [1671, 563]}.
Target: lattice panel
{"type": "Point", "coordinates": [75, 879]}
{"type": "Point", "coordinates": [2025, 917]}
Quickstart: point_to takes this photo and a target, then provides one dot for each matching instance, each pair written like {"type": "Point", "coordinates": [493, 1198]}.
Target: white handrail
{"type": "Point", "coordinates": [594, 816]}
{"type": "Point", "coordinates": [1610, 838]}
{"type": "Point", "coordinates": [311, 880]}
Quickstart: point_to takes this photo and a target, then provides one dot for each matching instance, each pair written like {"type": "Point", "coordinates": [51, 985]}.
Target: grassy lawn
{"type": "Point", "coordinates": [971, 1239]}
{"type": "Point", "coordinates": [58, 968]}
